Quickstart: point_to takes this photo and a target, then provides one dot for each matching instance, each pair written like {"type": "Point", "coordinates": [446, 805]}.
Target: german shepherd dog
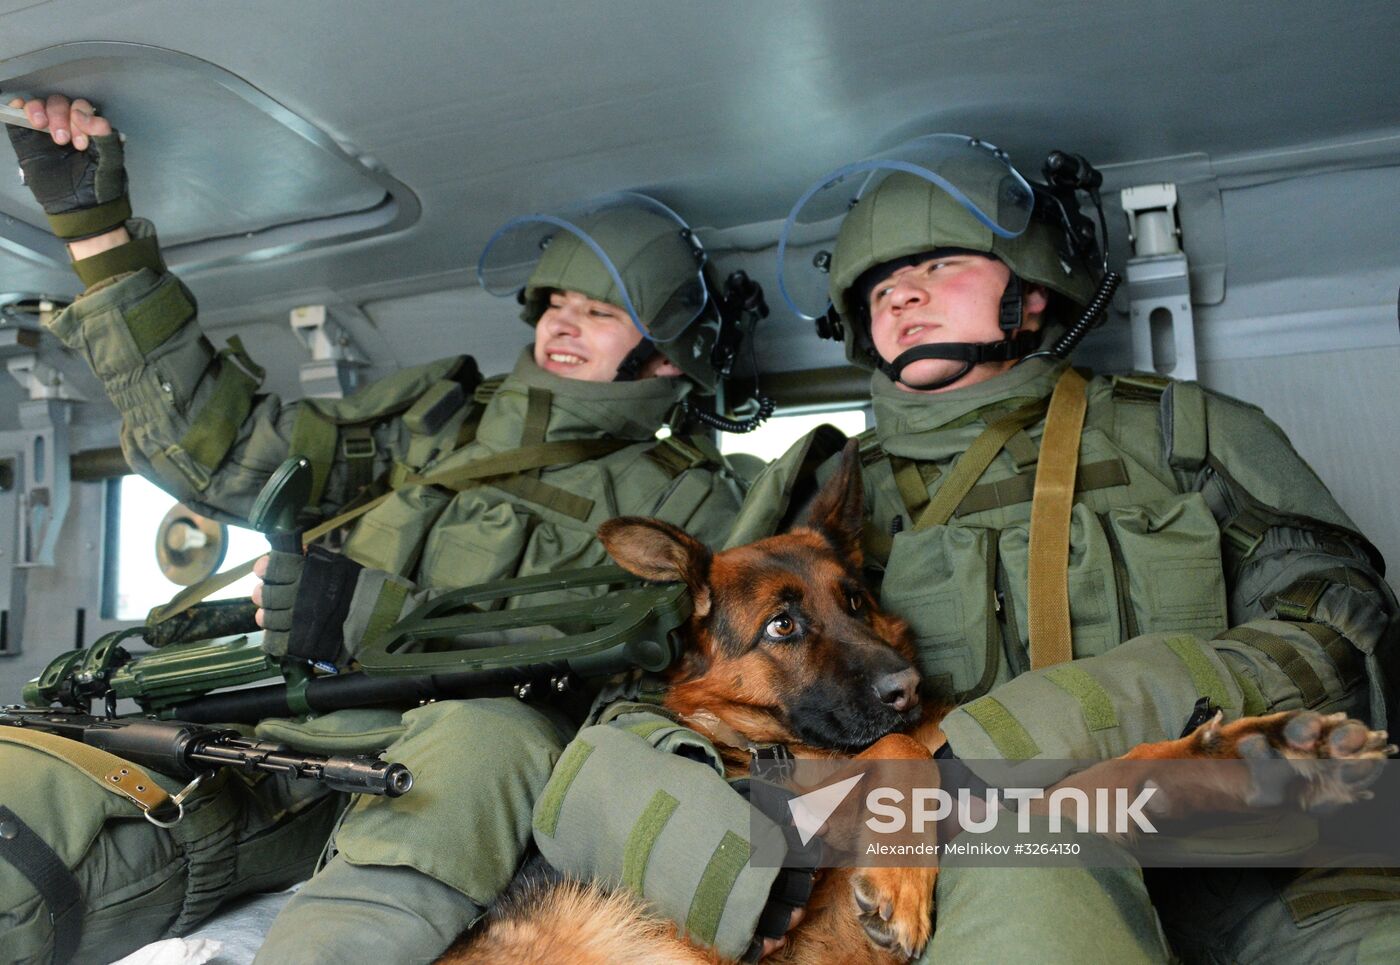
{"type": "Point", "coordinates": [786, 645]}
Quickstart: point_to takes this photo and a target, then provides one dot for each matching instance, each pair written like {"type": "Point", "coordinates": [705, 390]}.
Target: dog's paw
{"type": "Point", "coordinates": [1317, 760]}
{"type": "Point", "coordinates": [895, 907]}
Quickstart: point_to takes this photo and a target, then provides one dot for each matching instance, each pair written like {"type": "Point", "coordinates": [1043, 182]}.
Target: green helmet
{"type": "Point", "coordinates": [627, 250]}
{"type": "Point", "coordinates": [962, 195]}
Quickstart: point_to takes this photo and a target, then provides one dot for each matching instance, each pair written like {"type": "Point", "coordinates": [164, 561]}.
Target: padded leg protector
{"type": "Point", "coordinates": [667, 828]}
{"type": "Point", "coordinates": [478, 767]}
{"type": "Point", "coordinates": [353, 913]}
{"type": "Point", "coordinates": [1096, 708]}
{"type": "Point", "coordinates": [1098, 911]}
{"type": "Point", "coordinates": [1342, 915]}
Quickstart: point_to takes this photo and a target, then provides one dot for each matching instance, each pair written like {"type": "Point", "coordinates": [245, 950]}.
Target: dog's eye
{"type": "Point", "coordinates": [855, 601]}
{"type": "Point", "coordinates": [780, 626]}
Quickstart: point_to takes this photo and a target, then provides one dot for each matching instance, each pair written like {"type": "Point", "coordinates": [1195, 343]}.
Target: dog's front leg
{"type": "Point", "coordinates": [895, 905]}
{"type": "Point", "coordinates": [1255, 761]}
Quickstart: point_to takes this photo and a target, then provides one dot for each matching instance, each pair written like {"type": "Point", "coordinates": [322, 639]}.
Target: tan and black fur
{"type": "Point", "coordinates": [786, 645]}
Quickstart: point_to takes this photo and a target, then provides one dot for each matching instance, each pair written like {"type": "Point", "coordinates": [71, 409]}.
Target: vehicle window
{"type": "Point", "coordinates": [773, 438]}
{"type": "Point", "coordinates": [137, 583]}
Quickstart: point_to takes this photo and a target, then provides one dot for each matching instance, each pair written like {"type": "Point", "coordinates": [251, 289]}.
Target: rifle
{"type": "Point", "coordinates": [186, 750]}
{"type": "Point", "coordinates": [434, 653]}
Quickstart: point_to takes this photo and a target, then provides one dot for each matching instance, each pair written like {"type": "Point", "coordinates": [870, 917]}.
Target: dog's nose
{"type": "Point", "coordinates": [899, 690]}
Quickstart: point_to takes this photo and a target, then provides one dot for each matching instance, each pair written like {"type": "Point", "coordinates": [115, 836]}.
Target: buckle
{"type": "Point", "coordinates": [357, 447]}
{"type": "Point", "coordinates": [773, 762]}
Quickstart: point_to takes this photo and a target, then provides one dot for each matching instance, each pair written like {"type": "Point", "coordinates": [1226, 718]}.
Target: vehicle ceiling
{"type": "Point", "coordinates": [245, 116]}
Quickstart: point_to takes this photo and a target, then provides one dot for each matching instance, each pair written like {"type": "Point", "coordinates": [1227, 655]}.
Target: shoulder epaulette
{"type": "Point", "coordinates": [1139, 387]}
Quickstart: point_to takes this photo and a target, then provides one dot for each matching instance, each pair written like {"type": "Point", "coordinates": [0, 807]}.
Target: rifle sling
{"type": "Point", "coordinates": [109, 771]}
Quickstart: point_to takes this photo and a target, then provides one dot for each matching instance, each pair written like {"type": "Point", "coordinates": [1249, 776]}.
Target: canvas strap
{"type": "Point", "coordinates": [1048, 577]}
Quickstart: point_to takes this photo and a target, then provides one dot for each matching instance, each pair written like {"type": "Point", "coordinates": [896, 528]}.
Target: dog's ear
{"type": "Point", "coordinates": [656, 550]}
{"type": "Point", "coordinates": [838, 509]}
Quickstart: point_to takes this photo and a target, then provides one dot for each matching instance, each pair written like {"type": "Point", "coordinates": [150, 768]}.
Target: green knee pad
{"type": "Point", "coordinates": [342, 915]}
{"type": "Point", "coordinates": [1096, 708]}
{"type": "Point", "coordinates": [139, 882]}
{"type": "Point", "coordinates": [478, 766]}
{"type": "Point", "coordinates": [1096, 911]}
{"type": "Point", "coordinates": [1342, 915]}
{"type": "Point", "coordinates": [667, 828]}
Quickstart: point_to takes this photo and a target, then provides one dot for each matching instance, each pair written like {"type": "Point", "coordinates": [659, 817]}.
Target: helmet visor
{"type": "Point", "coordinates": [973, 173]}
{"type": "Point", "coordinates": [633, 240]}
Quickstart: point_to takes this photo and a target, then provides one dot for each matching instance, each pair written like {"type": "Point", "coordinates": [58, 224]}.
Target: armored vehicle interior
{"type": "Point", "coordinates": [325, 175]}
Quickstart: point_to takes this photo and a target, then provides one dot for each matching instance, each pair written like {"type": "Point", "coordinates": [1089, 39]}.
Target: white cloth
{"type": "Point", "coordinates": [174, 951]}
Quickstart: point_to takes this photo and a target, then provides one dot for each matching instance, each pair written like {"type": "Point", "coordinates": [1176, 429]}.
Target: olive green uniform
{"type": "Point", "coordinates": [407, 874]}
{"type": "Point", "coordinates": [1206, 560]}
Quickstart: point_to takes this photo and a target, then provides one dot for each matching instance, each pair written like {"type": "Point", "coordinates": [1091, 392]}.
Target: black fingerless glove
{"type": "Point", "coordinates": [305, 601]}
{"type": "Point", "coordinates": [82, 192]}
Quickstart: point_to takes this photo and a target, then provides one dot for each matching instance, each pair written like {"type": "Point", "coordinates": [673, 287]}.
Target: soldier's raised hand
{"type": "Point", "coordinates": [74, 166]}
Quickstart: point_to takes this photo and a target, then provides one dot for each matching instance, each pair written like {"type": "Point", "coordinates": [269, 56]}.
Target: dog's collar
{"type": "Point", "coordinates": [770, 755]}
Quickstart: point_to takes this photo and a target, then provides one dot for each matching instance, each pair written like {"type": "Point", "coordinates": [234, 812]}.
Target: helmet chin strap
{"type": "Point", "coordinates": [1014, 345]}
{"type": "Point", "coordinates": [632, 363]}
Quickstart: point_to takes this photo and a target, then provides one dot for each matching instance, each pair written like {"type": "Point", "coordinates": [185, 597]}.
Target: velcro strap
{"type": "Point", "coordinates": [1299, 601]}
{"type": "Point", "coordinates": [212, 433]}
{"type": "Point", "coordinates": [108, 771]}
{"type": "Point", "coordinates": [675, 455]}
{"type": "Point", "coordinates": [387, 607]}
{"type": "Point", "coordinates": [1139, 388]}
{"type": "Point", "coordinates": [1012, 740]}
{"type": "Point", "coordinates": [1022, 451]}
{"type": "Point", "coordinates": [93, 221]}
{"type": "Point", "coordinates": [637, 852]}
{"type": "Point", "coordinates": [1306, 906]}
{"type": "Point", "coordinates": [44, 869]}
{"type": "Point", "coordinates": [1094, 701]}
{"type": "Point", "coordinates": [159, 315]}
{"type": "Point", "coordinates": [1185, 408]}
{"type": "Point", "coordinates": [1204, 677]}
{"type": "Point", "coordinates": [1348, 660]}
{"type": "Point", "coordinates": [314, 437]}
{"type": "Point", "coordinates": [536, 424]}
{"type": "Point", "coordinates": [132, 256]}
{"type": "Point", "coordinates": [1289, 660]}
{"type": "Point", "coordinates": [1246, 531]}
{"type": "Point", "coordinates": [717, 881]}
{"type": "Point", "coordinates": [1255, 703]}
{"type": "Point", "coordinates": [566, 770]}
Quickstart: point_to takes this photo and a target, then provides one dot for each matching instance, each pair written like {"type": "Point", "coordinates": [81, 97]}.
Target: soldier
{"type": "Point", "coordinates": [1204, 564]}
{"type": "Point", "coordinates": [624, 328]}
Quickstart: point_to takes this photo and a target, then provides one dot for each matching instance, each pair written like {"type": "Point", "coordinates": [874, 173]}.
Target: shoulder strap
{"type": "Point", "coordinates": [1047, 602]}
{"type": "Point", "coordinates": [974, 462]}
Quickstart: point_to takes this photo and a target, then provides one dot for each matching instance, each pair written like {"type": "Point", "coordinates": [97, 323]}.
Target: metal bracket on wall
{"type": "Point", "coordinates": [336, 361]}
{"type": "Point", "coordinates": [44, 418]}
{"type": "Point", "coordinates": [12, 583]}
{"type": "Point", "coordinates": [1159, 284]}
